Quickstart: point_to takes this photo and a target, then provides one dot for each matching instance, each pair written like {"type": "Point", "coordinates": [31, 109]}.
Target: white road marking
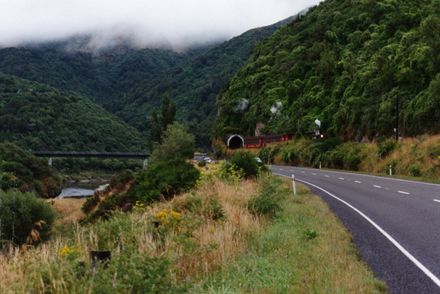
{"type": "Point", "coordinates": [327, 176]}
{"type": "Point", "coordinates": [358, 182]}
{"type": "Point", "coordinates": [436, 200]}
{"type": "Point", "coordinates": [403, 192]}
{"type": "Point", "coordinates": [378, 187]}
{"type": "Point", "coordinates": [424, 269]}
{"type": "Point", "coordinates": [341, 179]}
{"type": "Point", "coordinates": [303, 172]}
{"type": "Point", "coordinates": [314, 174]}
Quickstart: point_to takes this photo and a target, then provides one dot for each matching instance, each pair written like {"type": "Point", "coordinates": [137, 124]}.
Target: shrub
{"type": "Point", "coordinates": [164, 179]}
{"type": "Point", "coordinates": [90, 204]}
{"type": "Point", "coordinates": [264, 154]}
{"type": "Point", "coordinates": [414, 170]}
{"type": "Point", "coordinates": [176, 143]}
{"type": "Point", "coordinates": [201, 163]}
{"type": "Point", "coordinates": [246, 162]}
{"type": "Point", "coordinates": [24, 218]}
{"type": "Point", "coordinates": [267, 202]}
{"type": "Point", "coordinates": [289, 155]}
{"type": "Point", "coordinates": [120, 180]}
{"type": "Point", "coordinates": [385, 148]}
{"type": "Point", "coordinates": [434, 150]}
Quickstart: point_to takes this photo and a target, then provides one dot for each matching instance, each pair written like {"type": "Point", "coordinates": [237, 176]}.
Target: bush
{"type": "Point", "coordinates": [434, 150]}
{"type": "Point", "coordinates": [24, 218]}
{"type": "Point", "coordinates": [414, 170]}
{"type": "Point", "coordinates": [120, 180]}
{"type": "Point", "coordinates": [246, 162]}
{"type": "Point", "coordinates": [90, 204]}
{"type": "Point", "coordinates": [385, 148]}
{"type": "Point", "coordinates": [201, 163]}
{"type": "Point", "coordinates": [267, 202]}
{"type": "Point", "coordinates": [164, 179]}
{"type": "Point", "coordinates": [264, 154]}
{"type": "Point", "coordinates": [289, 155]}
{"type": "Point", "coordinates": [345, 156]}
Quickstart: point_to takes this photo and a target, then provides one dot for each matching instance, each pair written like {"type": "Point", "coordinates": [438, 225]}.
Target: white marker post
{"type": "Point", "coordinates": [293, 185]}
{"type": "Point", "coordinates": [391, 170]}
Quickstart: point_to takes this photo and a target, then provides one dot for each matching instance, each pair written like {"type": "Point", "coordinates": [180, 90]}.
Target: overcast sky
{"type": "Point", "coordinates": [147, 22]}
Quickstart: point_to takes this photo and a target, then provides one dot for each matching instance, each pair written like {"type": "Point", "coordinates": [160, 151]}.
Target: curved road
{"type": "Point", "coordinates": [395, 223]}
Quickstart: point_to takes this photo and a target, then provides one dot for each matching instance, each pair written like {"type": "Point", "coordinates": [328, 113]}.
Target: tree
{"type": "Point", "coordinates": [159, 123]}
{"type": "Point", "coordinates": [176, 143]}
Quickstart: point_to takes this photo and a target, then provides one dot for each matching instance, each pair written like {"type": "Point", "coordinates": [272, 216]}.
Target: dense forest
{"type": "Point", "coordinates": [38, 117]}
{"type": "Point", "coordinates": [195, 85]}
{"type": "Point", "coordinates": [103, 77]}
{"type": "Point", "coordinates": [361, 67]}
{"type": "Point", "coordinates": [131, 83]}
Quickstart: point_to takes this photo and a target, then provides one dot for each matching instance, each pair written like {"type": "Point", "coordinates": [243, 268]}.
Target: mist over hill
{"type": "Point", "coordinates": [131, 83]}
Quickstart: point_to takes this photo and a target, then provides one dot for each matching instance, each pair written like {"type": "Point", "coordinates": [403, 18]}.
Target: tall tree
{"type": "Point", "coordinates": [159, 123]}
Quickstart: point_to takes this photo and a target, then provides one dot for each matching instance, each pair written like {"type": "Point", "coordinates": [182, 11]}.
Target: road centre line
{"type": "Point", "coordinates": [378, 187]}
{"type": "Point", "coordinates": [341, 179]}
{"type": "Point", "coordinates": [436, 200]}
{"type": "Point", "coordinates": [327, 176]}
{"type": "Point", "coordinates": [424, 269]}
{"type": "Point", "coordinates": [403, 192]}
{"type": "Point", "coordinates": [358, 182]}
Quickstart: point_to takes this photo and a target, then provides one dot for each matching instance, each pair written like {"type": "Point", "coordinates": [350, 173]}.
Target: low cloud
{"type": "Point", "coordinates": [145, 23]}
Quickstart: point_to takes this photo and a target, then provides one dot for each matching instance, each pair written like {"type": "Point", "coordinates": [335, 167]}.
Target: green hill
{"type": "Point", "coordinates": [195, 85]}
{"type": "Point", "coordinates": [361, 67]}
{"type": "Point", "coordinates": [103, 77]}
{"type": "Point", "coordinates": [38, 117]}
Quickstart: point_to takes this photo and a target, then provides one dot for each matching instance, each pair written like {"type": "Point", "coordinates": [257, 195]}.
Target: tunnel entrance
{"type": "Point", "coordinates": [235, 142]}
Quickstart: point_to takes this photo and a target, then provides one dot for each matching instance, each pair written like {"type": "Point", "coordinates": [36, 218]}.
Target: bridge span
{"type": "Point", "coordinates": [91, 154]}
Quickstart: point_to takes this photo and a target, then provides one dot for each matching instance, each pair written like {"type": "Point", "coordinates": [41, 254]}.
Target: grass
{"type": "Point", "coordinates": [305, 250]}
{"type": "Point", "coordinates": [207, 240]}
{"type": "Point", "coordinates": [192, 242]}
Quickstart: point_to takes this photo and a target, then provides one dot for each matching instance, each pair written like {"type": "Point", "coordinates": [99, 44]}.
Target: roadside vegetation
{"type": "Point", "coordinates": [178, 227]}
{"type": "Point", "coordinates": [417, 157]}
{"type": "Point", "coordinates": [228, 233]}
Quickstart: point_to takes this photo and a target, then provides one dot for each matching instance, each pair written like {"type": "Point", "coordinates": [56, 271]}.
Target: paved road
{"type": "Point", "coordinates": [395, 223]}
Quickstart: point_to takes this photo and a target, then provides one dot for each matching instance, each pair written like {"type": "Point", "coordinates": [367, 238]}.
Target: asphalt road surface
{"type": "Point", "coordinates": [395, 223]}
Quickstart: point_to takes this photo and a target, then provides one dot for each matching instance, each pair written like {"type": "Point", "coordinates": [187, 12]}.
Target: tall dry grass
{"type": "Point", "coordinates": [195, 244]}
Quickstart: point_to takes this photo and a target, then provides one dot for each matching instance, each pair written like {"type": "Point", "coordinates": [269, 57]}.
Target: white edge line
{"type": "Point", "coordinates": [383, 232]}
{"type": "Point", "coordinates": [372, 176]}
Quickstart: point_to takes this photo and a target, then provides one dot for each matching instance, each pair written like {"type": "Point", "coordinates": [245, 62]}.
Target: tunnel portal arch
{"type": "Point", "coordinates": [235, 142]}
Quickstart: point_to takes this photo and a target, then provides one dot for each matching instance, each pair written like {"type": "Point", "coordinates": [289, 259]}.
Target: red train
{"type": "Point", "coordinates": [238, 141]}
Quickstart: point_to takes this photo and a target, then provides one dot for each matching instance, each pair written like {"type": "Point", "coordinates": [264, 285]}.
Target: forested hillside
{"type": "Point", "coordinates": [39, 117]}
{"type": "Point", "coordinates": [103, 77]}
{"type": "Point", "coordinates": [131, 83]}
{"type": "Point", "coordinates": [361, 67]}
{"type": "Point", "coordinates": [195, 85]}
